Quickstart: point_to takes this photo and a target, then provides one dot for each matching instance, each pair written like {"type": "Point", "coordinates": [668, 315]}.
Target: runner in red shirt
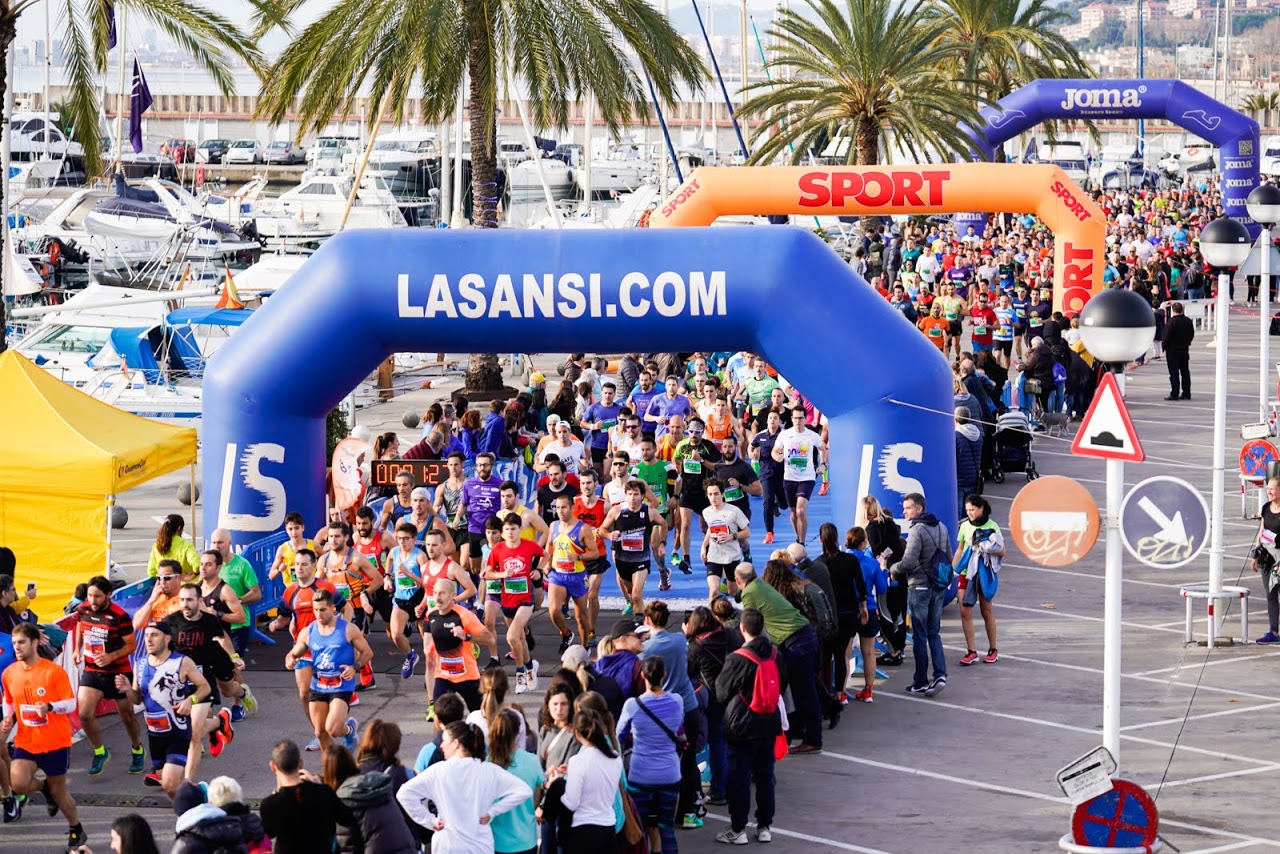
{"type": "Point", "coordinates": [982, 319]}
{"type": "Point", "coordinates": [297, 613]}
{"type": "Point", "coordinates": [103, 644]}
{"type": "Point", "coordinates": [513, 565]}
{"type": "Point", "coordinates": [590, 509]}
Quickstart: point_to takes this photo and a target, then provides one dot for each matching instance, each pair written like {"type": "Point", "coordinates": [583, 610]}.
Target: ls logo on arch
{"type": "Point", "coordinates": [891, 470]}
{"type": "Point", "coordinates": [242, 476]}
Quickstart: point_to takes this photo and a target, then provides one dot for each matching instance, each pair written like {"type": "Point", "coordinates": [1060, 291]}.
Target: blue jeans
{"type": "Point", "coordinates": [718, 749]}
{"type": "Point", "coordinates": [801, 654]}
{"type": "Point", "coordinates": [750, 762]}
{"type": "Point", "coordinates": [924, 604]}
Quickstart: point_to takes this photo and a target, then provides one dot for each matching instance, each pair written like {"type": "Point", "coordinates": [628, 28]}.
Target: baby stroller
{"type": "Point", "coordinates": [1013, 439]}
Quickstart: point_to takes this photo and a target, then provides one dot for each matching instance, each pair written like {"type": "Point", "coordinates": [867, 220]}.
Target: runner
{"type": "Point", "coordinates": [447, 628]}
{"type": "Point", "coordinates": [757, 389]}
{"type": "Point", "coordinates": [202, 637]}
{"type": "Point", "coordinates": [983, 318]}
{"type": "Point", "coordinates": [399, 505]}
{"type": "Point", "coordinates": [740, 482]}
{"type": "Point", "coordinates": [338, 650]}
{"type": "Point", "coordinates": [1002, 338]}
{"type": "Point", "coordinates": [803, 456]}
{"type": "Point", "coordinates": [591, 509]}
{"type": "Point", "coordinates": [772, 484]}
{"type": "Point", "coordinates": [424, 518]}
{"type": "Point", "coordinates": [439, 567]}
{"type": "Point", "coordinates": [480, 500]}
{"type": "Point", "coordinates": [663, 484]}
{"type": "Point", "coordinates": [237, 572]}
{"type": "Point", "coordinates": [449, 498]}
{"type": "Point", "coordinates": [665, 406]}
{"type": "Point", "coordinates": [168, 686]}
{"type": "Point", "coordinates": [568, 544]}
{"type": "Point", "coordinates": [282, 564]}
{"type": "Point", "coordinates": [695, 459]}
{"type": "Point", "coordinates": [555, 486]}
{"type": "Point", "coordinates": [639, 401]}
{"type": "Point", "coordinates": [404, 582]}
{"type": "Point", "coordinates": [953, 308]}
{"type": "Point", "coordinates": [533, 529]}
{"type": "Point", "coordinates": [374, 545]}
{"type": "Point", "coordinates": [104, 642]}
{"type": "Point", "coordinates": [350, 573]}
{"type": "Point", "coordinates": [600, 418]}
{"type": "Point", "coordinates": [38, 701]}
{"type": "Point", "coordinates": [627, 442]}
{"type": "Point", "coordinates": [512, 566]}
{"type": "Point", "coordinates": [297, 612]}
{"type": "Point", "coordinates": [164, 595]}
{"type": "Point", "coordinates": [637, 531]}
{"type": "Point", "coordinates": [727, 529]}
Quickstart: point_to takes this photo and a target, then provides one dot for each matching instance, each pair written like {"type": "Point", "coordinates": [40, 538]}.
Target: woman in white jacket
{"type": "Point", "coordinates": [467, 791]}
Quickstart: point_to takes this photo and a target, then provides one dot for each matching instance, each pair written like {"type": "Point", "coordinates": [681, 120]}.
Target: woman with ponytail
{"type": "Point", "coordinates": [170, 545]}
{"type": "Point", "coordinates": [515, 832]}
{"type": "Point", "coordinates": [494, 686]}
{"type": "Point", "coordinates": [467, 793]}
{"type": "Point", "coordinates": [590, 788]}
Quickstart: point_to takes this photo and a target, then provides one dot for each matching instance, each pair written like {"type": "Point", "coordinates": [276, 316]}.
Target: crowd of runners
{"type": "Point", "coordinates": [644, 472]}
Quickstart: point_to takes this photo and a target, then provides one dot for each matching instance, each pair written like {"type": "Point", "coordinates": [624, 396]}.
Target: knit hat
{"type": "Point", "coordinates": [189, 795]}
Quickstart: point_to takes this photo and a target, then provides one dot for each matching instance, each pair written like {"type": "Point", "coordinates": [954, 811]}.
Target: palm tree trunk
{"type": "Point", "coordinates": [867, 140]}
{"type": "Point", "coordinates": [484, 165]}
{"type": "Point", "coordinates": [484, 375]}
{"type": "Point", "coordinates": [8, 32]}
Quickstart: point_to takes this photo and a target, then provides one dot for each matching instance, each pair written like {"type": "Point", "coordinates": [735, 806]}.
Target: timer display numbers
{"type": "Point", "coordinates": [425, 472]}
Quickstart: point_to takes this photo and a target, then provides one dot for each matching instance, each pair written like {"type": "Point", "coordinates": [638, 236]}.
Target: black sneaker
{"type": "Point", "coordinates": [889, 660]}
{"type": "Point", "coordinates": [566, 642]}
{"type": "Point", "coordinates": [12, 809]}
{"type": "Point", "coordinates": [936, 686]}
{"type": "Point", "coordinates": [918, 690]}
{"type": "Point", "coordinates": [684, 566]}
{"type": "Point", "coordinates": [76, 837]}
{"type": "Point", "coordinates": [664, 579]}
{"type": "Point", "coordinates": [494, 664]}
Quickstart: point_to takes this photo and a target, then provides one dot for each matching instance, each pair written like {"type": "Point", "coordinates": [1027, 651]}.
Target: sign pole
{"type": "Point", "coordinates": [1112, 628]}
{"type": "Point", "coordinates": [1264, 310]}
{"type": "Point", "coordinates": [1217, 547]}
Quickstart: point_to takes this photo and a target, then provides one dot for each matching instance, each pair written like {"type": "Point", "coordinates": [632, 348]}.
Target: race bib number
{"type": "Point", "coordinates": [329, 683]}
{"type": "Point", "coordinates": [935, 332]}
{"type": "Point", "coordinates": [517, 586]}
{"type": "Point", "coordinates": [733, 493]}
{"type": "Point", "coordinates": [431, 603]}
{"type": "Point", "coordinates": [609, 425]}
{"type": "Point", "coordinates": [718, 528]}
{"type": "Point", "coordinates": [952, 316]}
{"type": "Point", "coordinates": [493, 586]}
{"type": "Point", "coordinates": [564, 563]}
{"type": "Point", "coordinates": [1022, 312]}
{"type": "Point", "coordinates": [799, 462]}
{"type": "Point", "coordinates": [31, 715]}
{"type": "Point", "coordinates": [94, 646]}
{"type": "Point", "coordinates": [1035, 321]}
{"type": "Point", "coordinates": [691, 467]}
{"type": "Point", "coordinates": [405, 582]}
{"type": "Point", "coordinates": [633, 541]}
{"type": "Point", "coordinates": [453, 666]}
{"type": "Point", "coordinates": [157, 722]}
{"type": "Point", "coordinates": [343, 589]}
{"type": "Point", "coordinates": [980, 330]}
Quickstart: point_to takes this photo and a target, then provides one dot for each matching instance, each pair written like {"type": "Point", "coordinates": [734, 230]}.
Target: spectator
{"type": "Point", "coordinates": [620, 661]}
{"type": "Point", "coordinates": [591, 780]}
{"type": "Point", "coordinates": [709, 645]}
{"type": "Point", "coordinates": [13, 608]}
{"type": "Point", "coordinates": [652, 722]}
{"type": "Point", "coordinates": [203, 828]}
{"type": "Point", "coordinates": [130, 834]}
{"type": "Point", "coordinates": [379, 826]}
{"type": "Point", "coordinates": [449, 708]}
{"type": "Point", "coordinates": [750, 735]}
{"type": "Point", "coordinates": [1179, 332]}
{"type": "Point", "coordinates": [968, 456]}
{"type": "Point", "coordinates": [225, 792]}
{"type": "Point", "coordinates": [926, 538]}
{"type": "Point", "coordinates": [673, 649]}
{"type": "Point", "coordinates": [171, 545]}
{"type": "Point", "coordinates": [982, 543]}
{"type": "Point", "coordinates": [876, 581]}
{"type": "Point", "coordinates": [303, 814]}
{"type": "Point", "coordinates": [515, 832]}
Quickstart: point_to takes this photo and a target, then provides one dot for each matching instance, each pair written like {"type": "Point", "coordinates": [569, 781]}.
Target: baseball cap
{"type": "Point", "coordinates": [624, 627]}
{"type": "Point", "coordinates": [537, 378]}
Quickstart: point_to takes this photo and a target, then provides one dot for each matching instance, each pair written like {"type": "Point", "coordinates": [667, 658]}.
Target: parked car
{"type": "Point", "coordinates": [244, 151]}
{"type": "Point", "coordinates": [285, 152]}
{"type": "Point", "coordinates": [179, 150]}
{"type": "Point", "coordinates": [212, 150]}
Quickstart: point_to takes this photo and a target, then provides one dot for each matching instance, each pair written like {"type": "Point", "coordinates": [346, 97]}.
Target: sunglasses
{"type": "Point", "coordinates": [167, 577]}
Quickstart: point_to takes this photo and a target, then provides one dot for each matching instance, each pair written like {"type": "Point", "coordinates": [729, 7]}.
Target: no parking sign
{"type": "Point", "coordinates": [1124, 817]}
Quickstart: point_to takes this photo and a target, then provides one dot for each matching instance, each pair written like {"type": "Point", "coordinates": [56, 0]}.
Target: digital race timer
{"type": "Point", "coordinates": [425, 472]}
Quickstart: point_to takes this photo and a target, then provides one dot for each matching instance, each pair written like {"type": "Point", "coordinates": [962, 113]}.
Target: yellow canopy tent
{"type": "Point", "coordinates": [64, 456]}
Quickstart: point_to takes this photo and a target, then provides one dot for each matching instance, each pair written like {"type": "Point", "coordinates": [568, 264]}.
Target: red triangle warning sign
{"type": "Point", "coordinates": [1107, 430]}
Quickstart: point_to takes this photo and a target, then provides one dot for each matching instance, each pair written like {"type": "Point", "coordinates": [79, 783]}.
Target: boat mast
{"type": "Point", "coordinates": [123, 34]}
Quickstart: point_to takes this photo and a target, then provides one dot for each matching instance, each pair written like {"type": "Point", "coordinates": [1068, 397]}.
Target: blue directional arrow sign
{"type": "Point", "coordinates": [1164, 522]}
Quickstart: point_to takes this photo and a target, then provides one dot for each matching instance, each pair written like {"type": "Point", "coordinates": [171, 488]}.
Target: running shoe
{"type": "Point", "coordinates": [764, 834]}
{"type": "Point", "coordinates": [352, 727]}
{"type": "Point", "coordinates": [685, 568]}
{"type": "Point", "coordinates": [237, 713]}
{"type": "Point", "coordinates": [12, 809]}
{"type": "Point", "coordinates": [918, 690]}
{"type": "Point", "coordinates": [223, 735]}
{"type": "Point", "coordinates": [864, 696]}
{"type": "Point", "coordinates": [251, 702]}
{"type": "Point", "coordinates": [591, 642]}
{"type": "Point", "coordinates": [355, 700]}
{"type": "Point", "coordinates": [768, 539]}
{"type": "Point", "coordinates": [521, 685]}
{"type": "Point", "coordinates": [410, 661]}
{"type": "Point", "coordinates": [970, 657]}
{"type": "Point", "coordinates": [691, 821]}
{"type": "Point", "coordinates": [629, 608]}
{"type": "Point", "coordinates": [431, 712]}
{"type": "Point", "coordinates": [152, 779]}
{"type": "Point", "coordinates": [731, 837]}
{"type": "Point", "coordinates": [531, 675]}
{"type": "Point", "coordinates": [370, 685]}
{"type": "Point", "coordinates": [992, 656]}
{"type": "Point", "coordinates": [675, 558]}
{"type": "Point", "coordinates": [99, 762]}
{"type": "Point", "coordinates": [1269, 637]}
{"type": "Point", "coordinates": [494, 664]}
{"type": "Point", "coordinates": [822, 490]}
{"type": "Point", "coordinates": [314, 744]}
{"type": "Point", "coordinates": [936, 686]}
{"type": "Point", "coordinates": [137, 761]}
{"type": "Point", "coordinates": [566, 641]}
{"type": "Point", "coordinates": [664, 579]}
{"type": "Point", "coordinates": [50, 805]}
{"type": "Point", "coordinates": [76, 838]}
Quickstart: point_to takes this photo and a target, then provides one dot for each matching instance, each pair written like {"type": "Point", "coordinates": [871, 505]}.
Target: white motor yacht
{"type": "Point", "coordinates": [625, 169]}
{"type": "Point", "coordinates": [302, 218]}
{"type": "Point", "coordinates": [523, 178]}
{"type": "Point", "coordinates": [403, 161]}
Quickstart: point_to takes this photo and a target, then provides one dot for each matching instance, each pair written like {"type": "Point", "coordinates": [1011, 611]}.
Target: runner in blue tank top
{"type": "Point", "coordinates": [338, 650]}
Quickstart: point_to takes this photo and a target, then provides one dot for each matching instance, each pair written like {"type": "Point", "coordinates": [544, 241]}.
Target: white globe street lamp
{"type": "Point", "coordinates": [1263, 205]}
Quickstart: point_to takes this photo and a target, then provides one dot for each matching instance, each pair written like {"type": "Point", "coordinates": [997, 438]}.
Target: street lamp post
{"type": "Point", "coordinates": [1225, 244]}
{"type": "Point", "coordinates": [1116, 326]}
{"type": "Point", "coordinates": [1263, 205]}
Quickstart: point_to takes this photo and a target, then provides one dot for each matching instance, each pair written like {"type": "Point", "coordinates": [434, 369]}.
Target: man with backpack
{"type": "Point", "coordinates": [750, 689]}
{"type": "Point", "coordinates": [926, 567]}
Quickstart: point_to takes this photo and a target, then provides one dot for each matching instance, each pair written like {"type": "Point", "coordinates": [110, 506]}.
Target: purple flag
{"type": "Point", "coordinates": [139, 103]}
{"type": "Point", "coordinates": [111, 23]}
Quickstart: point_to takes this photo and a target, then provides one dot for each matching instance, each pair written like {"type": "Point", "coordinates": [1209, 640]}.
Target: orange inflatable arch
{"type": "Point", "coordinates": [1077, 222]}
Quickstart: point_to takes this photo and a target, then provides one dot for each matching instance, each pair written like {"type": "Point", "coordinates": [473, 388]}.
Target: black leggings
{"type": "Point", "coordinates": [690, 776]}
{"type": "Point", "coordinates": [590, 839]}
{"type": "Point", "coordinates": [848, 631]}
{"type": "Point", "coordinates": [893, 624]}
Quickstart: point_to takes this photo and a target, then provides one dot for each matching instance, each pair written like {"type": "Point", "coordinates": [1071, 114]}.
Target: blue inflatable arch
{"type": "Point", "coordinates": [777, 291]}
{"type": "Point", "coordinates": [1235, 135]}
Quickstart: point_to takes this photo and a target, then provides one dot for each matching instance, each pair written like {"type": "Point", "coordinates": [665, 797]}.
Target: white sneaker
{"type": "Point", "coordinates": [730, 838]}
{"type": "Point", "coordinates": [521, 685]}
{"type": "Point", "coordinates": [764, 834]}
{"type": "Point", "coordinates": [531, 675]}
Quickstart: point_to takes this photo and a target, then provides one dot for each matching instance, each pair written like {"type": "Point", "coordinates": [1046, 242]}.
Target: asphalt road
{"type": "Point", "coordinates": [972, 769]}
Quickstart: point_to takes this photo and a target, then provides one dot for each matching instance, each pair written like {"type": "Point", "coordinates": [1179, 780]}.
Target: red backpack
{"type": "Point", "coordinates": [767, 689]}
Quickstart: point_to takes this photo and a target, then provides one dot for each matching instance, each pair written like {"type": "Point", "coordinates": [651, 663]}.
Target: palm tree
{"type": "Point", "coordinates": [864, 74]}
{"type": "Point", "coordinates": [1001, 45]}
{"type": "Point", "coordinates": [207, 36]}
{"type": "Point", "coordinates": [557, 51]}
{"type": "Point", "coordinates": [1262, 105]}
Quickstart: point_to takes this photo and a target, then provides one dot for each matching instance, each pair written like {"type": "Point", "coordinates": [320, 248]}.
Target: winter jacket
{"type": "Point", "coordinates": [205, 829]}
{"type": "Point", "coordinates": [255, 835]}
{"type": "Point", "coordinates": [884, 534]}
{"type": "Point", "coordinates": [977, 387]}
{"type": "Point", "coordinates": [969, 403]}
{"type": "Point", "coordinates": [491, 434]}
{"type": "Point", "coordinates": [623, 667]}
{"type": "Point", "coordinates": [708, 653]}
{"type": "Point", "coordinates": [1079, 374]}
{"type": "Point", "coordinates": [380, 827]}
{"type": "Point", "coordinates": [739, 677]}
{"type": "Point", "coordinates": [968, 455]}
{"type": "Point", "coordinates": [926, 536]}
{"type": "Point", "coordinates": [1178, 333]}
{"type": "Point", "coordinates": [1039, 365]}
